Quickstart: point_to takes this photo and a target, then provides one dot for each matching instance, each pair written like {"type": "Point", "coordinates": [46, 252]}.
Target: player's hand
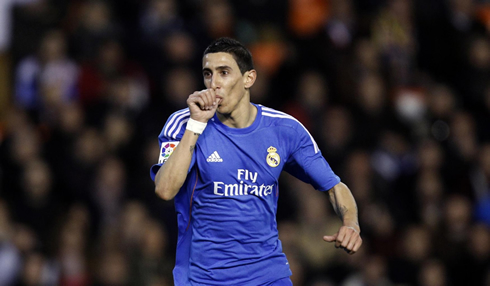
{"type": "Point", "coordinates": [202, 105]}
{"type": "Point", "coordinates": [347, 238]}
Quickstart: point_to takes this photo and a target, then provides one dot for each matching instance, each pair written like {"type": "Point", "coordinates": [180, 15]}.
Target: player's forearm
{"type": "Point", "coordinates": [171, 176]}
{"type": "Point", "coordinates": [344, 205]}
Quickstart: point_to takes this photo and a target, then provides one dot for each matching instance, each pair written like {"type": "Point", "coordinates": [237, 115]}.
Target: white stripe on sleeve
{"type": "Point", "coordinates": [277, 114]}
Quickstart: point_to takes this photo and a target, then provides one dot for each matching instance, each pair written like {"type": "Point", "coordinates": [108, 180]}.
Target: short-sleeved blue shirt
{"type": "Point", "coordinates": [226, 208]}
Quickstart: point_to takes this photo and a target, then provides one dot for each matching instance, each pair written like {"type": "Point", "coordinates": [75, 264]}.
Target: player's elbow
{"type": "Point", "coordinates": [165, 192]}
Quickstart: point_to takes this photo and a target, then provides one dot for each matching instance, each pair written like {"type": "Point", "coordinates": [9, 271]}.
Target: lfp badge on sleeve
{"type": "Point", "coordinates": [166, 150]}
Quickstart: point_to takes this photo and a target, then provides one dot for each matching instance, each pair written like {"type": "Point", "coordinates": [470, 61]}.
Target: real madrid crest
{"type": "Point", "coordinates": [273, 158]}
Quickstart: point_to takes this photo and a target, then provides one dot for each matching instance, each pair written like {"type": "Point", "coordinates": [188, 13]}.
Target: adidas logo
{"type": "Point", "coordinates": [214, 157]}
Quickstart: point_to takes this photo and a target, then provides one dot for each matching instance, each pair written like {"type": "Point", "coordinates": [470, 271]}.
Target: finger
{"type": "Point", "coordinates": [353, 248]}
{"type": "Point", "coordinates": [340, 238]}
{"type": "Point", "coordinates": [357, 245]}
{"type": "Point", "coordinates": [350, 236]}
{"type": "Point", "coordinates": [193, 100]}
{"type": "Point", "coordinates": [330, 238]}
{"type": "Point", "coordinates": [352, 242]}
{"type": "Point", "coordinates": [210, 98]}
{"type": "Point", "coordinates": [203, 98]}
{"type": "Point", "coordinates": [200, 102]}
{"type": "Point", "coordinates": [193, 97]}
{"type": "Point", "coordinates": [347, 240]}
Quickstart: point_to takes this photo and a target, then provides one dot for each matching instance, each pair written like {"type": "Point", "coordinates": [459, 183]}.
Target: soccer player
{"type": "Point", "coordinates": [220, 160]}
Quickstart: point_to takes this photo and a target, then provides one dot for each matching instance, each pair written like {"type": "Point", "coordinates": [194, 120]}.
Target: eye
{"type": "Point", "coordinates": [206, 74]}
{"type": "Point", "coordinates": [225, 72]}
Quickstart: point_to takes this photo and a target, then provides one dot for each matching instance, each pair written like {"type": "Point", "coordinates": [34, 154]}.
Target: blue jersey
{"type": "Point", "coordinates": [226, 209]}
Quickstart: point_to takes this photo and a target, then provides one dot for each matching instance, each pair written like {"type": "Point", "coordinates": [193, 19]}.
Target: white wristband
{"type": "Point", "coordinates": [195, 126]}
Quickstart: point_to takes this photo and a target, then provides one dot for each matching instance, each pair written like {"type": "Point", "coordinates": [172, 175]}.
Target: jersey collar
{"type": "Point", "coordinates": [246, 130]}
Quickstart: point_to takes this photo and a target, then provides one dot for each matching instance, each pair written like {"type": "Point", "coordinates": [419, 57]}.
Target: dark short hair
{"type": "Point", "coordinates": [240, 53]}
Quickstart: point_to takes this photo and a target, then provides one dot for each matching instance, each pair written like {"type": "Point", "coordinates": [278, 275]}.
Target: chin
{"type": "Point", "coordinates": [222, 110]}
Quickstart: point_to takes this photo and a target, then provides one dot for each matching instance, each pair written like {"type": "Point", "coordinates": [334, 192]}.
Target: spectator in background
{"type": "Point", "coordinates": [22, 145]}
{"type": "Point", "coordinates": [130, 230]}
{"type": "Point", "coordinates": [310, 99]}
{"type": "Point", "coordinates": [160, 17]}
{"type": "Point", "coordinates": [372, 113]}
{"type": "Point", "coordinates": [394, 162]}
{"type": "Point", "coordinates": [59, 147]}
{"type": "Point", "coordinates": [94, 24]}
{"type": "Point", "coordinates": [37, 207]}
{"type": "Point", "coordinates": [112, 81]}
{"type": "Point", "coordinates": [306, 18]}
{"type": "Point", "coordinates": [415, 246]}
{"type": "Point", "coordinates": [433, 273]}
{"type": "Point", "coordinates": [474, 76]}
{"type": "Point", "coordinates": [269, 49]}
{"type": "Point", "coordinates": [358, 173]}
{"type": "Point", "coordinates": [25, 240]}
{"type": "Point", "coordinates": [381, 229]}
{"type": "Point", "coordinates": [152, 262]}
{"type": "Point", "coordinates": [38, 270]}
{"type": "Point", "coordinates": [475, 264]}
{"type": "Point", "coordinates": [112, 268]}
{"type": "Point", "coordinates": [72, 248]}
{"type": "Point", "coordinates": [10, 256]}
{"type": "Point", "coordinates": [461, 26]}
{"type": "Point", "coordinates": [454, 232]}
{"type": "Point", "coordinates": [394, 35]}
{"type": "Point", "coordinates": [367, 58]}
{"type": "Point", "coordinates": [6, 9]}
{"type": "Point", "coordinates": [336, 133]}
{"type": "Point", "coordinates": [177, 84]}
{"type": "Point", "coordinates": [109, 191]}
{"type": "Point", "coordinates": [315, 218]}
{"type": "Point", "coordinates": [175, 49]}
{"type": "Point", "coordinates": [218, 18]}
{"type": "Point", "coordinates": [118, 133]}
{"type": "Point", "coordinates": [76, 171]}
{"type": "Point", "coordinates": [374, 273]}
{"type": "Point", "coordinates": [429, 199]}
{"type": "Point", "coordinates": [442, 104]}
{"type": "Point", "coordinates": [461, 151]}
{"type": "Point", "coordinates": [179, 48]}
{"type": "Point", "coordinates": [47, 80]}
{"type": "Point", "coordinates": [341, 25]}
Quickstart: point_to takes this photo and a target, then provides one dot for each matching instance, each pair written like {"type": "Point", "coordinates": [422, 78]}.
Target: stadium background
{"type": "Point", "coordinates": [396, 92]}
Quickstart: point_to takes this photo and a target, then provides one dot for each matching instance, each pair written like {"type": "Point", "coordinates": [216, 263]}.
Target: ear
{"type": "Point", "coordinates": [249, 78]}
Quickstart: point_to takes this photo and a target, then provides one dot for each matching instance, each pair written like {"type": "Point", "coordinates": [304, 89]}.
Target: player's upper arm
{"type": "Point", "coordinates": [307, 163]}
{"type": "Point", "coordinates": [169, 138]}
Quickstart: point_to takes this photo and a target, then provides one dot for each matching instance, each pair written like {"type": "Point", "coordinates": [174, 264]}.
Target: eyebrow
{"type": "Point", "coordinates": [217, 68]}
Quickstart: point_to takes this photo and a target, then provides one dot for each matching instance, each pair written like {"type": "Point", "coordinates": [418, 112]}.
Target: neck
{"type": "Point", "coordinates": [239, 118]}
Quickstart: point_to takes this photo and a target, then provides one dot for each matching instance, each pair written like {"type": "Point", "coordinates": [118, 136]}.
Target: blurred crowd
{"type": "Point", "coordinates": [396, 93]}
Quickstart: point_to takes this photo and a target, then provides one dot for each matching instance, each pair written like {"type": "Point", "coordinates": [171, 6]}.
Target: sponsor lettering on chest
{"type": "Point", "coordinates": [246, 184]}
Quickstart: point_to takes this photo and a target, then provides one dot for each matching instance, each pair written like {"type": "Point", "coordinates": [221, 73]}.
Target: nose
{"type": "Point", "coordinates": [214, 82]}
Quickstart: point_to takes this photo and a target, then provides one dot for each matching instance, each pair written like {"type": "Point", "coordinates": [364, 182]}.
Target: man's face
{"type": "Point", "coordinates": [221, 73]}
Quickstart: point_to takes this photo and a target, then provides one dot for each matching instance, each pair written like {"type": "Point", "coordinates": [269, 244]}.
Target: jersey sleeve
{"type": "Point", "coordinates": [307, 163]}
{"type": "Point", "coordinates": [169, 138]}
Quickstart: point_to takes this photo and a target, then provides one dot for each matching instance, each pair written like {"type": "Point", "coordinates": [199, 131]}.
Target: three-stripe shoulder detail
{"type": "Point", "coordinates": [269, 112]}
{"type": "Point", "coordinates": [175, 123]}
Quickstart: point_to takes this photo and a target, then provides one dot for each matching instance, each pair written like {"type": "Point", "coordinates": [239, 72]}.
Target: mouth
{"type": "Point", "coordinates": [220, 99]}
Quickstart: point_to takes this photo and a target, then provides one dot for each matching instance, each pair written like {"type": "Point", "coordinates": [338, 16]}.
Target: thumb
{"type": "Point", "coordinates": [330, 238]}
